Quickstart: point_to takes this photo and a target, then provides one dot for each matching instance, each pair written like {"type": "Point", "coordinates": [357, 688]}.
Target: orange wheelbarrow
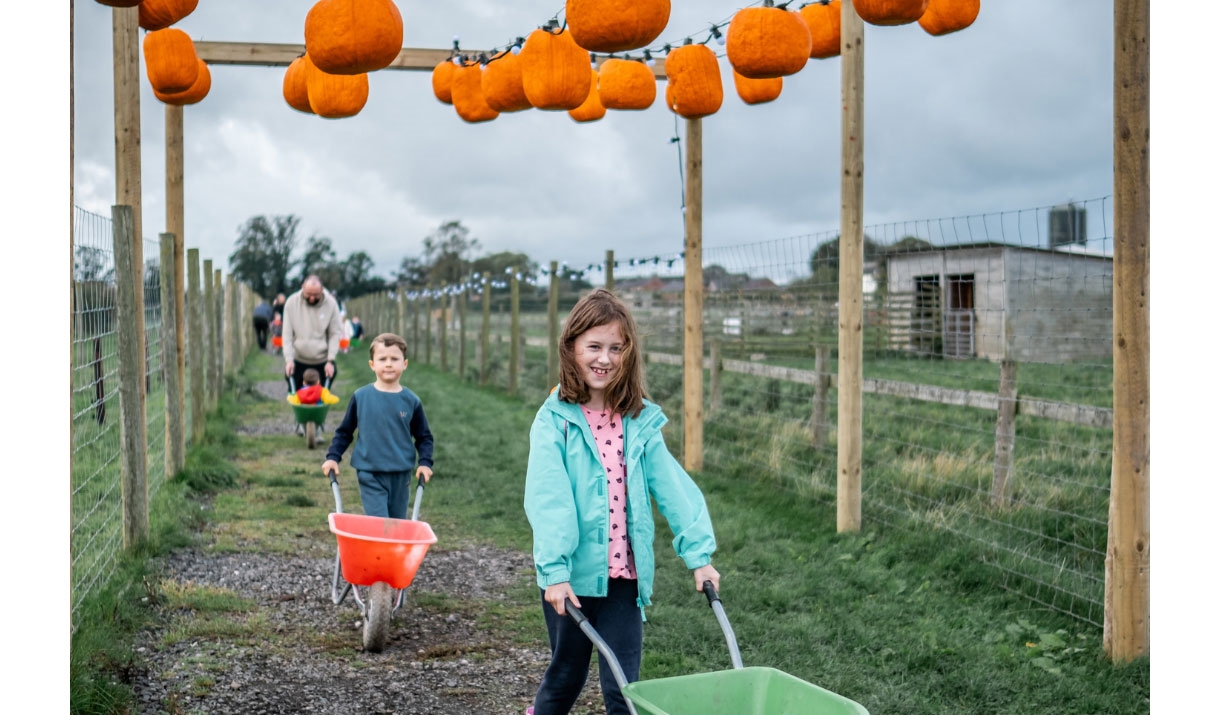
{"type": "Point", "coordinates": [380, 556]}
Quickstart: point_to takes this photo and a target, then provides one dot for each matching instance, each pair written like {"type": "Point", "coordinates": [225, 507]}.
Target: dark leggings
{"type": "Point", "coordinates": [619, 622]}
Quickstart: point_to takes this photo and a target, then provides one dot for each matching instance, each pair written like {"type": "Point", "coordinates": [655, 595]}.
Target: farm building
{"type": "Point", "coordinates": [1054, 306]}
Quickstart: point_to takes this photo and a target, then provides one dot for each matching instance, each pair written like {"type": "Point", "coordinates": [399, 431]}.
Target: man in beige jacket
{"type": "Point", "coordinates": [312, 329]}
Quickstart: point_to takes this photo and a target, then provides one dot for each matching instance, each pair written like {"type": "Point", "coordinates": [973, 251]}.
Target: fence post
{"type": "Point", "coordinates": [442, 334]}
{"type": "Point", "coordinates": [851, 270]}
{"type": "Point", "coordinates": [821, 396]}
{"type": "Point", "coordinates": [485, 332]}
{"type": "Point", "coordinates": [552, 318]}
{"type": "Point", "coordinates": [195, 344]}
{"type": "Point", "coordinates": [1005, 432]}
{"type": "Point", "coordinates": [400, 301]}
{"type": "Point", "coordinates": [133, 440]}
{"type": "Point", "coordinates": [714, 381]}
{"type": "Point", "coordinates": [174, 432]}
{"type": "Point", "coordinates": [218, 330]}
{"type": "Point", "coordinates": [415, 328]}
{"type": "Point", "coordinates": [1126, 628]}
{"type": "Point", "coordinates": [692, 360]}
{"type": "Point", "coordinates": [610, 271]}
{"type": "Point", "coordinates": [209, 332]}
{"type": "Point", "coordinates": [514, 346]}
{"type": "Point", "coordinates": [428, 325]}
{"type": "Point", "coordinates": [462, 301]}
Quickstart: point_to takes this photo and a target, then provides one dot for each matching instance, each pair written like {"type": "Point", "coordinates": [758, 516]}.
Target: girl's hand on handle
{"type": "Point", "coordinates": [555, 595]}
{"type": "Point", "coordinates": [706, 573]}
{"type": "Point", "coordinates": [424, 473]}
{"type": "Point", "coordinates": [329, 466]}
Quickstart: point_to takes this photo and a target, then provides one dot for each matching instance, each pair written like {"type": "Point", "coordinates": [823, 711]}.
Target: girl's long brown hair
{"type": "Point", "coordinates": [625, 393]}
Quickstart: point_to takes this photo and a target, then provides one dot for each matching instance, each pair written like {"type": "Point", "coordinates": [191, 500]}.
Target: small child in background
{"type": "Point", "coordinates": [391, 433]}
{"type": "Point", "coordinates": [312, 392]}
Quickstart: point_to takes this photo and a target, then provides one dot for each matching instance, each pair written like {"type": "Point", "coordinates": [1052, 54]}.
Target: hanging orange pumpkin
{"type": "Point", "coordinates": [160, 14]}
{"type": "Point", "coordinates": [119, 3]}
{"type": "Point", "coordinates": [945, 16]}
{"type": "Point", "coordinates": [592, 108]}
{"type": "Point", "coordinates": [757, 91]}
{"type": "Point", "coordinates": [824, 20]}
{"type": "Point", "coordinates": [335, 96]}
{"type": "Point", "coordinates": [468, 99]}
{"type": "Point", "coordinates": [170, 60]}
{"type": "Point", "coordinates": [694, 89]}
{"type": "Point", "coordinates": [766, 42]}
{"type": "Point", "coordinates": [554, 71]}
{"type": "Point", "coordinates": [296, 84]}
{"type": "Point", "coordinates": [890, 12]}
{"type": "Point", "coordinates": [615, 25]}
{"type": "Point", "coordinates": [193, 95]}
{"type": "Point", "coordinates": [502, 84]}
{"type": "Point", "coordinates": [442, 81]}
{"type": "Point", "coordinates": [353, 36]}
{"type": "Point", "coordinates": [626, 84]}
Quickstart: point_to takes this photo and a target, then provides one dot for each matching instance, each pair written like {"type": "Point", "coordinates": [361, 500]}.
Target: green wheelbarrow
{"type": "Point", "coordinates": [740, 691]}
{"type": "Point", "coordinates": [313, 417]}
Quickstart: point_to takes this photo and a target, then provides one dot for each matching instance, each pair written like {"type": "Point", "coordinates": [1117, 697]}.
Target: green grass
{"type": "Point", "coordinates": [903, 620]}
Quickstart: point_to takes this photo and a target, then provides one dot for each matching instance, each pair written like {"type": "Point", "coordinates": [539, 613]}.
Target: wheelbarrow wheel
{"type": "Point", "coordinates": [377, 620]}
{"type": "Point", "coordinates": [311, 432]}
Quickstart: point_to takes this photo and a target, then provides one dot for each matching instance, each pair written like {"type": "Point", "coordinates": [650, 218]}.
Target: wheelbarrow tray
{"type": "Point", "coordinates": [741, 691]}
{"type": "Point", "coordinates": [375, 548]}
{"type": "Point", "coordinates": [311, 413]}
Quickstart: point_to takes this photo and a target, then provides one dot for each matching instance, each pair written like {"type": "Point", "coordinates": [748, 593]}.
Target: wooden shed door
{"type": "Point", "coordinates": [959, 316]}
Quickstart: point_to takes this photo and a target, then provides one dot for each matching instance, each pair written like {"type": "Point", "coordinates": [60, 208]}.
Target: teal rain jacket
{"type": "Point", "coordinates": [567, 507]}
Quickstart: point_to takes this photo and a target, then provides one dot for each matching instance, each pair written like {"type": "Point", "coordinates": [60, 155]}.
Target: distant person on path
{"type": "Point", "coordinates": [312, 392]}
{"type": "Point", "coordinates": [277, 307]}
{"type": "Point", "coordinates": [394, 438]}
{"type": "Point", "coordinates": [311, 332]}
{"type": "Point", "coordinates": [357, 328]}
{"type": "Point", "coordinates": [262, 323]}
{"type": "Point", "coordinates": [593, 543]}
{"type": "Point", "coordinates": [277, 320]}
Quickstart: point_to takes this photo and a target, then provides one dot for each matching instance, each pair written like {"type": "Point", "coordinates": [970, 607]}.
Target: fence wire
{"type": "Point", "coordinates": [987, 376]}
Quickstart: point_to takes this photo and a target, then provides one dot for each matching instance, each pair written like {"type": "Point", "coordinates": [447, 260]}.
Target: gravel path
{"type": "Point", "coordinates": [436, 660]}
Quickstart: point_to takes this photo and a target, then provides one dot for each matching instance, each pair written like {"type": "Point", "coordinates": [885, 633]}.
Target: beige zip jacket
{"type": "Point", "coordinates": [311, 332]}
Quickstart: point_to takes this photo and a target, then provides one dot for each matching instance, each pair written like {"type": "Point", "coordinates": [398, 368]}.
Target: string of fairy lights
{"type": "Point", "coordinates": [647, 55]}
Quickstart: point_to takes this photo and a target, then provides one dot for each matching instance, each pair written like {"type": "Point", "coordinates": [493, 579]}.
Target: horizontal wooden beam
{"type": "Point", "coordinates": [266, 54]}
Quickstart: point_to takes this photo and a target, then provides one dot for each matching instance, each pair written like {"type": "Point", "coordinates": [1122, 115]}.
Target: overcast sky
{"type": "Point", "coordinates": [1014, 112]}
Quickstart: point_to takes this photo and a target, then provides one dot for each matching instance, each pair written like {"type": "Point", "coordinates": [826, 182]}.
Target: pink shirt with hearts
{"type": "Point", "coordinates": [607, 431]}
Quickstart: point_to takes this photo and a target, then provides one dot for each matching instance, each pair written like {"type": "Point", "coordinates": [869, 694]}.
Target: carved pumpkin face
{"type": "Point", "coordinates": [351, 37]}
{"type": "Point", "coordinates": [615, 25]}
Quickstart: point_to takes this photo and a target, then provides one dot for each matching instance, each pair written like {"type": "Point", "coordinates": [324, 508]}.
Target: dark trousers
{"type": "Point", "coordinates": [298, 374]}
{"type": "Point", "coordinates": [619, 622]}
{"type": "Point", "coordinates": [260, 332]}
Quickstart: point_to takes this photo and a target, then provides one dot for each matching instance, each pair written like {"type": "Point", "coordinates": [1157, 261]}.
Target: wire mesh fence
{"type": "Point", "coordinates": [987, 374]}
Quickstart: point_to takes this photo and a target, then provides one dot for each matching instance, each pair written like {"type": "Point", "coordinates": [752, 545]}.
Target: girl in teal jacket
{"type": "Point", "coordinates": [597, 464]}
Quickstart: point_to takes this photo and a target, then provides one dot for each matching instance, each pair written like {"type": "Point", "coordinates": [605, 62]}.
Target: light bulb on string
{"type": "Point", "coordinates": [648, 59]}
{"type": "Point", "coordinates": [718, 35]}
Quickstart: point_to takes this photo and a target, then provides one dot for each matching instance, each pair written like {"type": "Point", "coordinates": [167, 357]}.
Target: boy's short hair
{"type": "Point", "coordinates": [311, 377]}
{"type": "Point", "coordinates": [388, 340]}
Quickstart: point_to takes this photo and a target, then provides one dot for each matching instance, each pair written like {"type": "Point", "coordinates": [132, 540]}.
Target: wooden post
{"type": "Point", "coordinates": [1005, 432]}
{"type": "Point", "coordinates": [175, 225]}
{"type": "Point", "coordinates": [692, 302]}
{"type": "Point", "coordinates": [210, 341]}
{"type": "Point", "coordinates": [218, 315]}
{"type": "Point", "coordinates": [1126, 628]}
{"type": "Point", "coordinates": [820, 427]}
{"type": "Point", "coordinates": [610, 270]}
{"type": "Point", "coordinates": [175, 444]}
{"type": "Point", "coordinates": [195, 342]}
{"type": "Point", "coordinates": [427, 326]}
{"type": "Point", "coordinates": [714, 381]}
{"type": "Point", "coordinates": [133, 447]}
{"type": "Point", "coordinates": [514, 349]}
{"type": "Point", "coordinates": [464, 299]}
{"type": "Point", "coordinates": [851, 271]}
{"type": "Point", "coordinates": [442, 324]}
{"type": "Point", "coordinates": [401, 301]}
{"type": "Point", "coordinates": [415, 328]}
{"type": "Point", "coordinates": [125, 24]}
{"type": "Point", "coordinates": [485, 332]}
{"type": "Point", "coordinates": [552, 321]}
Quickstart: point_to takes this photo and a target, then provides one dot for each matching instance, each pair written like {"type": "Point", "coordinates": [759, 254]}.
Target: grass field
{"type": "Point", "coordinates": [902, 620]}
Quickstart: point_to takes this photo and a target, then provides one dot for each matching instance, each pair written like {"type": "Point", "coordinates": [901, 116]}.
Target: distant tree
{"type": "Point", "coordinates": [412, 273]}
{"type": "Point", "coordinates": [92, 264]}
{"type": "Point", "coordinates": [320, 259]}
{"type": "Point", "coordinates": [357, 277]}
{"type": "Point", "coordinates": [263, 256]}
{"type": "Point", "coordinates": [497, 265]}
{"type": "Point", "coordinates": [447, 253]}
